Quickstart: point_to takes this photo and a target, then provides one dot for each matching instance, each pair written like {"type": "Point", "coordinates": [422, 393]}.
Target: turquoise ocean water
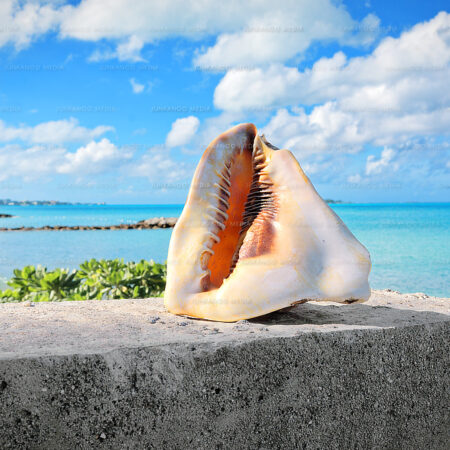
{"type": "Point", "coordinates": [408, 243]}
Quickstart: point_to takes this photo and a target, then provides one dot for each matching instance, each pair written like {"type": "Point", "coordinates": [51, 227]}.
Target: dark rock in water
{"type": "Point", "coordinates": [159, 222]}
{"type": "Point", "coordinates": [171, 221]}
{"type": "Point", "coordinates": [5, 216]}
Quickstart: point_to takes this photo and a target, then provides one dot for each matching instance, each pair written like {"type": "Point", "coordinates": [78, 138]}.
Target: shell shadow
{"type": "Point", "coordinates": [353, 314]}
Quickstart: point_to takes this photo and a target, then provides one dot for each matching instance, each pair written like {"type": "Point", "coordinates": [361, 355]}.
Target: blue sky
{"type": "Point", "coordinates": [107, 102]}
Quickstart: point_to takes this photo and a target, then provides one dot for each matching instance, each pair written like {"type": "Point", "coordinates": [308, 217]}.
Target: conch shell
{"type": "Point", "coordinates": [255, 237]}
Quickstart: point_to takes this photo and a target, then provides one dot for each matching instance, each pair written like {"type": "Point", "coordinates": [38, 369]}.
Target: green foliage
{"type": "Point", "coordinates": [104, 279]}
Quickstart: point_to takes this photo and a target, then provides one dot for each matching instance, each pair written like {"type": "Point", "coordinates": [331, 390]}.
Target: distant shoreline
{"type": "Point", "coordinates": [9, 202]}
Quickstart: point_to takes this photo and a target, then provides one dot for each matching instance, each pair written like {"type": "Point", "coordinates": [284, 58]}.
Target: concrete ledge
{"type": "Point", "coordinates": [125, 374]}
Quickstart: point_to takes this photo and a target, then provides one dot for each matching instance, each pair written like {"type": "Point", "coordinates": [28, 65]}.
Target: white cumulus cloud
{"type": "Point", "coordinates": [355, 179]}
{"type": "Point", "coordinates": [22, 22]}
{"type": "Point", "coordinates": [29, 163]}
{"type": "Point", "coordinates": [38, 161]}
{"type": "Point", "coordinates": [93, 157]}
{"type": "Point", "coordinates": [182, 131]}
{"type": "Point", "coordinates": [281, 30]}
{"type": "Point", "coordinates": [397, 93]}
{"type": "Point", "coordinates": [409, 71]}
{"type": "Point", "coordinates": [136, 86]}
{"type": "Point", "coordinates": [127, 50]}
{"type": "Point", "coordinates": [160, 168]}
{"type": "Point", "coordinates": [374, 166]}
{"type": "Point", "coordinates": [52, 132]}
{"type": "Point", "coordinates": [252, 32]}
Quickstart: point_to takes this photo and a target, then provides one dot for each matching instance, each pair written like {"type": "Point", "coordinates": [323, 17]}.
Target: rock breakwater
{"type": "Point", "coordinates": [154, 222]}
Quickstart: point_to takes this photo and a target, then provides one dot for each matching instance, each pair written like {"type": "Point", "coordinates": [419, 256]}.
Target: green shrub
{"type": "Point", "coordinates": [104, 279]}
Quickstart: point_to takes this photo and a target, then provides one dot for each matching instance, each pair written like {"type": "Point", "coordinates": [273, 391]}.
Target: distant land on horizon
{"type": "Point", "coordinates": [9, 202]}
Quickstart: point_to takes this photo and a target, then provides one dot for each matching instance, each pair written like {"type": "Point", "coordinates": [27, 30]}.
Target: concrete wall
{"type": "Point", "coordinates": [125, 374]}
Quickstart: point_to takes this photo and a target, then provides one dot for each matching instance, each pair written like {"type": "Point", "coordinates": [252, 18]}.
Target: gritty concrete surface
{"type": "Point", "coordinates": [125, 374]}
